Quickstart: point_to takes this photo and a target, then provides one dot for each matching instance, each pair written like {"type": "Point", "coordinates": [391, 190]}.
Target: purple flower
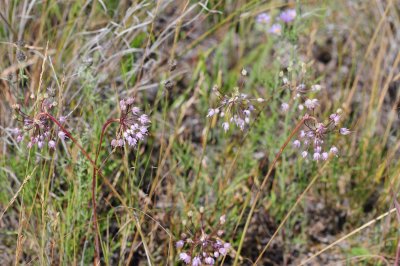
{"type": "Point", "coordinates": [304, 154]}
{"type": "Point", "coordinates": [211, 112]}
{"type": "Point", "coordinates": [52, 144]}
{"type": "Point", "coordinates": [317, 156]}
{"type": "Point", "coordinates": [40, 144]}
{"type": "Point", "coordinates": [209, 261]}
{"type": "Point", "coordinates": [334, 150]}
{"type": "Point", "coordinates": [114, 143]}
{"type": "Point", "coordinates": [133, 125]}
{"type": "Point", "coordinates": [284, 107]}
{"type": "Point", "coordinates": [325, 156]}
{"type": "Point", "coordinates": [335, 118]}
{"type": "Point", "coordinates": [185, 258]}
{"type": "Point", "coordinates": [288, 15]}
{"type": "Point", "coordinates": [296, 143]}
{"type": "Point", "coordinates": [20, 138]}
{"type": "Point", "coordinates": [344, 131]}
{"type": "Point", "coordinates": [62, 135]}
{"type": "Point", "coordinates": [275, 29]}
{"type": "Point", "coordinates": [222, 251]}
{"type": "Point", "coordinates": [39, 125]}
{"type": "Point", "coordinates": [180, 243]}
{"type": "Point", "coordinates": [196, 261]}
{"type": "Point", "coordinates": [263, 18]}
{"type": "Point", "coordinates": [135, 110]}
{"type": "Point", "coordinates": [311, 103]}
{"type": "Point", "coordinates": [62, 119]}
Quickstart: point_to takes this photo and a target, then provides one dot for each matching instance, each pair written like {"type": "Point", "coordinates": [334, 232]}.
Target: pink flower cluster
{"type": "Point", "coordinates": [312, 139]}
{"type": "Point", "coordinates": [40, 127]}
{"type": "Point", "coordinates": [133, 125]}
{"type": "Point", "coordinates": [201, 248]}
{"type": "Point", "coordinates": [235, 110]}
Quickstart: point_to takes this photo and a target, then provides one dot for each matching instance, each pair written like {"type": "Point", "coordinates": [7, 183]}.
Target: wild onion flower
{"type": "Point", "coordinates": [312, 139]}
{"type": "Point", "coordinates": [288, 15]}
{"type": "Point", "coordinates": [133, 125]}
{"type": "Point", "coordinates": [263, 18]}
{"type": "Point", "coordinates": [199, 248]}
{"type": "Point", "coordinates": [236, 109]}
{"type": "Point", "coordinates": [38, 126]}
{"type": "Point", "coordinates": [294, 81]}
{"type": "Point", "coordinates": [275, 29]}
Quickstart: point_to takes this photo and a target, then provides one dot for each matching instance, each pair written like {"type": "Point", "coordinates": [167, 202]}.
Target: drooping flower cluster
{"type": "Point", "coordinates": [312, 139]}
{"type": "Point", "coordinates": [199, 248]}
{"type": "Point", "coordinates": [39, 126]}
{"type": "Point", "coordinates": [287, 16]}
{"type": "Point", "coordinates": [133, 125]}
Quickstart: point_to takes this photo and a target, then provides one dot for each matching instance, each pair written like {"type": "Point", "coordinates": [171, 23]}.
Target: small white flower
{"type": "Point", "coordinates": [316, 87]}
{"type": "Point", "coordinates": [304, 154]}
{"type": "Point", "coordinates": [260, 100]}
{"type": "Point", "coordinates": [317, 156]}
{"type": "Point", "coordinates": [344, 131]}
{"type": "Point", "coordinates": [225, 126]}
{"type": "Point", "coordinates": [209, 261]}
{"type": "Point", "coordinates": [223, 251]}
{"type": "Point", "coordinates": [20, 138]}
{"type": "Point", "coordinates": [296, 143]}
{"type": "Point", "coordinates": [311, 103]}
{"type": "Point", "coordinates": [318, 149]}
{"type": "Point", "coordinates": [61, 135]}
{"type": "Point", "coordinates": [135, 110]}
{"type": "Point", "coordinates": [222, 219]}
{"type": "Point", "coordinates": [325, 156]}
{"type": "Point", "coordinates": [334, 150]}
{"type": "Point", "coordinates": [211, 112]}
{"type": "Point", "coordinates": [52, 144]}
{"type": "Point", "coordinates": [40, 144]}
{"type": "Point", "coordinates": [284, 107]}
{"type": "Point", "coordinates": [335, 118]}
{"type": "Point", "coordinates": [196, 261]}
{"type": "Point", "coordinates": [185, 258]}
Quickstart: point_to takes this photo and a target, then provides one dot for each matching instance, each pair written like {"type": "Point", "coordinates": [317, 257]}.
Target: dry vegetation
{"type": "Point", "coordinates": [84, 57]}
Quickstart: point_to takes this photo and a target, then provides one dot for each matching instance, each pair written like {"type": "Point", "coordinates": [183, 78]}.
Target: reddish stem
{"type": "Point", "coordinates": [95, 170]}
{"type": "Point", "coordinates": [94, 179]}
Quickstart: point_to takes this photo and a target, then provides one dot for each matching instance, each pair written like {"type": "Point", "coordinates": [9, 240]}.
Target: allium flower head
{"type": "Point", "coordinates": [315, 135]}
{"type": "Point", "coordinates": [236, 109]}
{"type": "Point", "coordinates": [133, 125]}
{"type": "Point", "coordinates": [203, 248]}
{"type": "Point", "coordinates": [288, 15]}
{"type": "Point", "coordinates": [38, 126]}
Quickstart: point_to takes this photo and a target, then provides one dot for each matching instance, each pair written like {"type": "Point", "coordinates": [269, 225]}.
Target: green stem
{"type": "Point", "coordinates": [253, 206]}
